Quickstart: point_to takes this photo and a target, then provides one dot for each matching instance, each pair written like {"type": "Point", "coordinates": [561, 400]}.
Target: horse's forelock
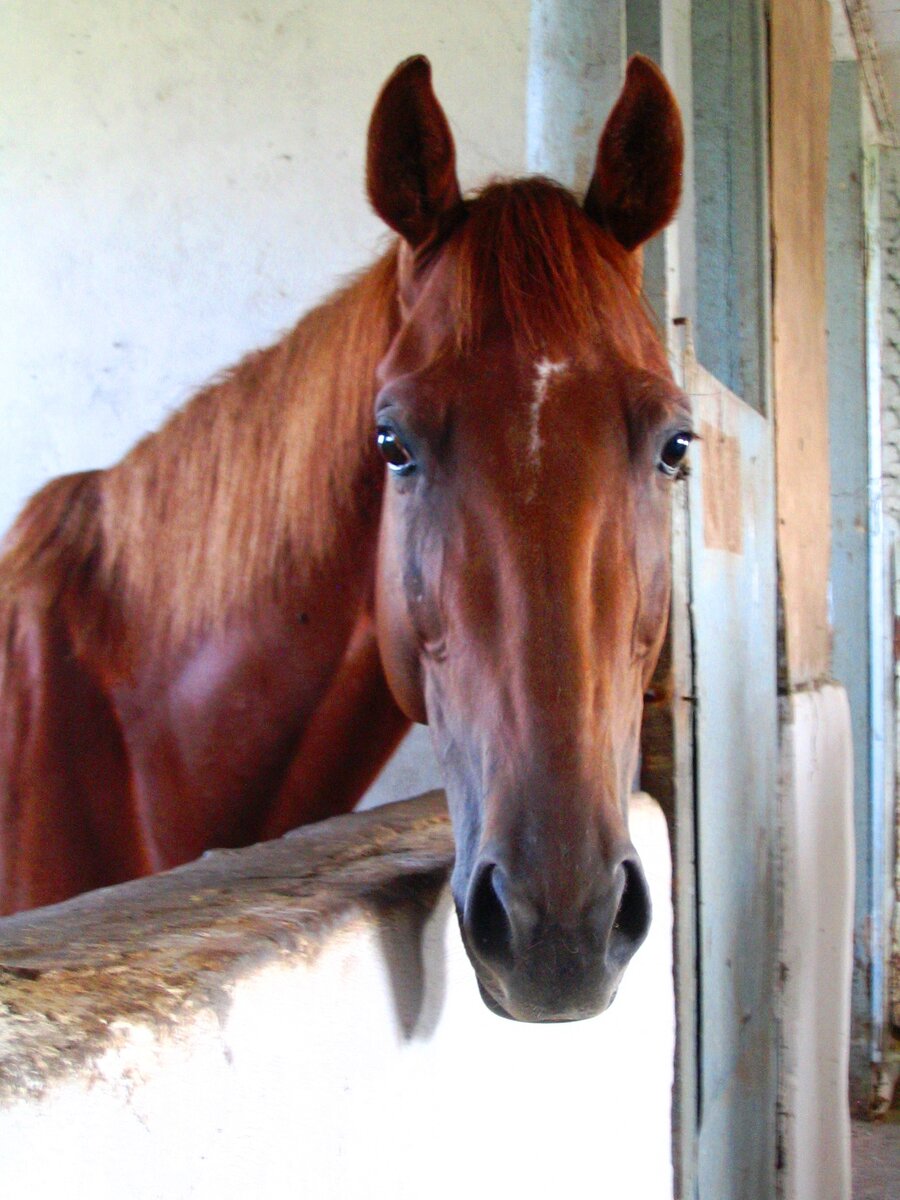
{"type": "Point", "coordinates": [560, 281]}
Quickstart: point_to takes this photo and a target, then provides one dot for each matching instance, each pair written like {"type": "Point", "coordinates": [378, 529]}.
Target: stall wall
{"type": "Point", "coordinates": [300, 1019]}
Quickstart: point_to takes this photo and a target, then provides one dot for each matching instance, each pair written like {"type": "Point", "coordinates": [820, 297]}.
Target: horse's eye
{"type": "Point", "coordinates": [392, 450]}
{"type": "Point", "coordinates": [673, 453]}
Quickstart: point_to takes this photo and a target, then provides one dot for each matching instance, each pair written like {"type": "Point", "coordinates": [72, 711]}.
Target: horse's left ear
{"type": "Point", "coordinates": [636, 183]}
{"type": "Point", "coordinates": [411, 159]}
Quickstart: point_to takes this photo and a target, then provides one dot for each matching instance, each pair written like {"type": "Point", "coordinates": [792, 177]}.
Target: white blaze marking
{"type": "Point", "coordinates": [544, 370]}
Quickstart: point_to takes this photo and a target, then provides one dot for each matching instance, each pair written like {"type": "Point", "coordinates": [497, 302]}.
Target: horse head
{"type": "Point", "coordinates": [531, 430]}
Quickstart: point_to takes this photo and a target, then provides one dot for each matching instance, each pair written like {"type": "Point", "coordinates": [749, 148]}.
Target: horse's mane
{"type": "Point", "coordinates": [243, 491]}
{"type": "Point", "coordinates": [242, 494]}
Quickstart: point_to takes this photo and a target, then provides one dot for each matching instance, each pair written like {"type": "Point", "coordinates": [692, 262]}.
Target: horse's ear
{"type": "Point", "coordinates": [411, 159]}
{"type": "Point", "coordinates": [636, 184]}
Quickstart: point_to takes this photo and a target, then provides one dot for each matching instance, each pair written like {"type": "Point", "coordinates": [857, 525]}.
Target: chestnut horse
{"type": "Point", "coordinates": [443, 497]}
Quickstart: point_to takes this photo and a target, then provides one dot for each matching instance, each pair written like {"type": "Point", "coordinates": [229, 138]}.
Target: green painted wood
{"type": "Point", "coordinates": [732, 229]}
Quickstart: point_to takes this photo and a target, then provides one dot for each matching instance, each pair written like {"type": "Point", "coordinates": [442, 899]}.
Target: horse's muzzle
{"type": "Point", "coordinates": [532, 965]}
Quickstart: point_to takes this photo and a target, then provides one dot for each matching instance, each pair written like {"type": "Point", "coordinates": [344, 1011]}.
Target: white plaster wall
{"type": "Point", "coordinates": [413, 769]}
{"type": "Point", "coordinates": [817, 783]}
{"type": "Point", "coordinates": [577, 64]}
{"type": "Point", "coordinates": [179, 182]}
{"type": "Point", "coordinates": [309, 1086]}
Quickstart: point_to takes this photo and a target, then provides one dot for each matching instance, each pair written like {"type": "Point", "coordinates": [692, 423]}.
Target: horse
{"type": "Point", "coordinates": [443, 497]}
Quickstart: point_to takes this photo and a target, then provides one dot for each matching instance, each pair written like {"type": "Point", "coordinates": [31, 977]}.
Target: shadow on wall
{"type": "Point", "coordinates": [412, 921]}
{"type": "Point", "coordinates": [412, 927]}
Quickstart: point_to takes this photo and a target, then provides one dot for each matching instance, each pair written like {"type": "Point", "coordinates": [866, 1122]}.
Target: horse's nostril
{"type": "Point", "coordinates": [632, 919]}
{"type": "Point", "coordinates": [488, 926]}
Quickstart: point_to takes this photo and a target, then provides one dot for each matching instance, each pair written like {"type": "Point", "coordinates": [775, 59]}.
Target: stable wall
{"type": "Point", "coordinates": [299, 1018]}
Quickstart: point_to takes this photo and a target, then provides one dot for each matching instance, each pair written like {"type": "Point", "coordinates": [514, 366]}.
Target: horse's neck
{"type": "Point", "coordinates": [262, 488]}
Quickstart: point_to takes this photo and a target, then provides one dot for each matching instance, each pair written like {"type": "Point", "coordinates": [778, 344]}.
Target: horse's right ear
{"type": "Point", "coordinates": [411, 159]}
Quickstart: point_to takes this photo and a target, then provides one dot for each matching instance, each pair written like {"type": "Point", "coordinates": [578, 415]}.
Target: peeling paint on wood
{"type": "Point", "coordinates": [722, 495]}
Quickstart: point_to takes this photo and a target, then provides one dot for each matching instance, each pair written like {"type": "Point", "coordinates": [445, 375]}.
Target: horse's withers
{"type": "Point", "coordinates": [529, 422]}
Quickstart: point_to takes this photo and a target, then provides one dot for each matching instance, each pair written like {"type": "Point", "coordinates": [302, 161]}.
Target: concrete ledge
{"type": "Point", "coordinates": [160, 951]}
{"type": "Point", "coordinates": [299, 1018]}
